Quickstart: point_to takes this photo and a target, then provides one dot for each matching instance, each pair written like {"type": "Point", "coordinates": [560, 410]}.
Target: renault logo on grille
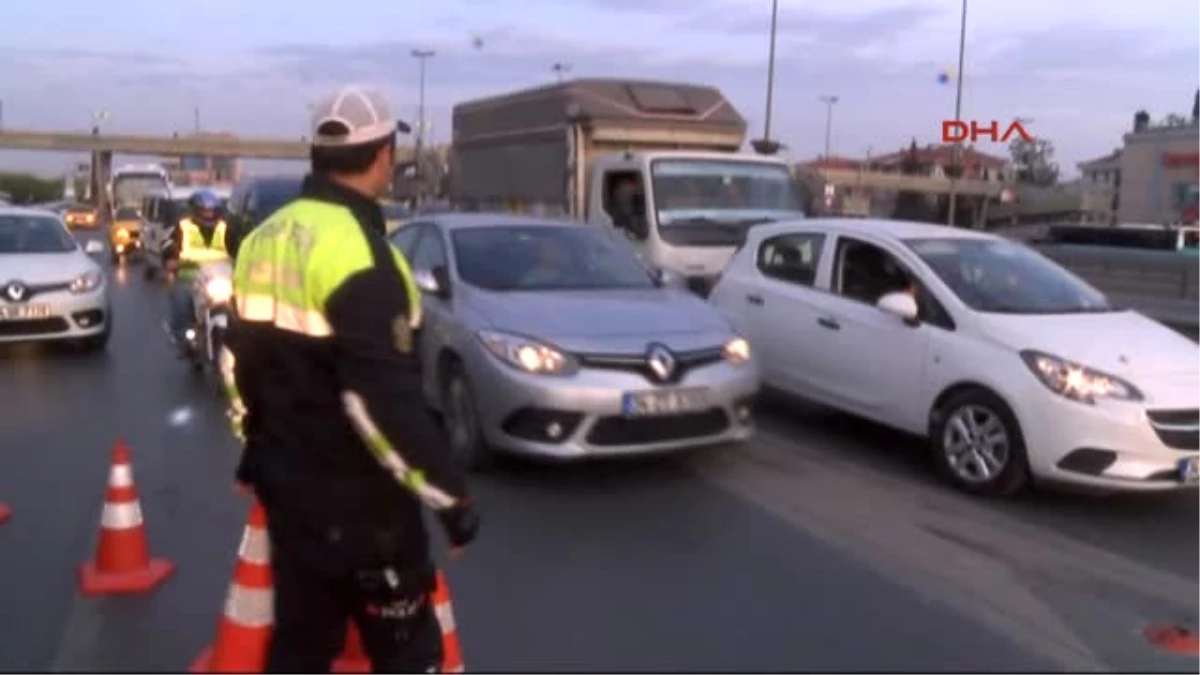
{"type": "Point", "coordinates": [15, 291]}
{"type": "Point", "coordinates": [661, 361]}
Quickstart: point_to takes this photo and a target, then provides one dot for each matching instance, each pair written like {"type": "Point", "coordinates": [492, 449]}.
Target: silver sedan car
{"type": "Point", "coordinates": [50, 288]}
{"type": "Point", "coordinates": [550, 338]}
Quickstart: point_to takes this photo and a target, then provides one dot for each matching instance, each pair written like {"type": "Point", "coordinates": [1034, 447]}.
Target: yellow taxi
{"type": "Point", "coordinates": [81, 217]}
{"type": "Point", "coordinates": [125, 233]}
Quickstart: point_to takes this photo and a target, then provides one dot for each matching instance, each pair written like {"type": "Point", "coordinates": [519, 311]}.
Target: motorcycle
{"type": "Point", "coordinates": [211, 292]}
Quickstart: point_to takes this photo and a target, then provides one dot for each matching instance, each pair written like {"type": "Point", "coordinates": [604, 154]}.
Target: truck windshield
{"type": "Point", "coordinates": [692, 191]}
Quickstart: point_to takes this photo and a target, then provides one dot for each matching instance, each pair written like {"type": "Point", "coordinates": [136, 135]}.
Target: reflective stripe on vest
{"type": "Point", "coordinates": [289, 267]}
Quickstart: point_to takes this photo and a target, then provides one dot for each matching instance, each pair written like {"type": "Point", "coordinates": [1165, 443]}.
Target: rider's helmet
{"type": "Point", "coordinates": [205, 208]}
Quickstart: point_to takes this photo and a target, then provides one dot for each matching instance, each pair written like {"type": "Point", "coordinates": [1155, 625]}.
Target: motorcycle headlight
{"type": "Point", "coordinates": [526, 354]}
{"type": "Point", "coordinates": [1077, 382]}
{"type": "Point", "coordinates": [218, 290]}
{"type": "Point", "coordinates": [87, 282]}
{"type": "Point", "coordinates": [736, 351]}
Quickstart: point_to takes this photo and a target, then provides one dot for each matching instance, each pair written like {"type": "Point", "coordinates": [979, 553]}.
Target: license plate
{"type": "Point", "coordinates": [24, 312]}
{"type": "Point", "coordinates": [219, 320]}
{"type": "Point", "coordinates": [663, 402]}
{"type": "Point", "coordinates": [1188, 471]}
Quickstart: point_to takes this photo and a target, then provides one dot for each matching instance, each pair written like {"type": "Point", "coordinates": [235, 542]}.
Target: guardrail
{"type": "Point", "coordinates": [1164, 285]}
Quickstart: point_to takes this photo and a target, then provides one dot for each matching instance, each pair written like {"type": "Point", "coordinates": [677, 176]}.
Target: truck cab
{"type": "Point", "coordinates": [688, 211]}
{"type": "Point", "coordinates": [661, 162]}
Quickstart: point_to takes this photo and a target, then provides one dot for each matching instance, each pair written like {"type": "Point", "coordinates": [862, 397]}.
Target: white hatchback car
{"type": "Point", "coordinates": [1012, 366]}
{"type": "Point", "coordinates": [50, 288]}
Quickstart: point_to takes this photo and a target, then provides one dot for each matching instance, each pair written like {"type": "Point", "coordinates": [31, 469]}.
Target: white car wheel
{"type": "Point", "coordinates": [977, 444]}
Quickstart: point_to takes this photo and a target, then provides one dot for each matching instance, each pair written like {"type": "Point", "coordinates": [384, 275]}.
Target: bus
{"type": "Point", "coordinates": [132, 183]}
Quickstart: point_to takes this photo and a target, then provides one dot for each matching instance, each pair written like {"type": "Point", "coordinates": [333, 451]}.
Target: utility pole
{"type": "Point", "coordinates": [196, 116]}
{"type": "Point", "coordinates": [421, 55]}
{"type": "Point", "coordinates": [957, 154]}
{"type": "Point", "coordinates": [829, 100]}
{"type": "Point", "coordinates": [764, 145]}
{"type": "Point", "coordinates": [560, 69]}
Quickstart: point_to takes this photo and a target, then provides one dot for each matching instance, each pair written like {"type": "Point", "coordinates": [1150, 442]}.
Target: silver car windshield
{"type": "Point", "coordinates": [543, 258]}
{"type": "Point", "coordinates": [1004, 277]}
{"type": "Point", "coordinates": [34, 234]}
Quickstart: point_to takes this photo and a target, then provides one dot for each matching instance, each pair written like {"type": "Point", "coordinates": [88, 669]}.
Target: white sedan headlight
{"type": "Point", "coordinates": [218, 290]}
{"type": "Point", "coordinates": [736, 351]}
{"type": "Point", "coordinates": [1077, 382]}
{"type": "Point", "coordinates": [527, 354]}
{"type": "Point", "coordinates": [87, 282]}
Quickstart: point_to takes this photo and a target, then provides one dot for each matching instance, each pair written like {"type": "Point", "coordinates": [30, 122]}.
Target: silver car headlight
{"type": "Point", "coordinates": [87, 282]}
{"type": "Point", "coordinates": [1077, 382]}
{"type": "Point", "coordinates": [218, 290]}
{"type": "Point", "coordinates": [527, 354]}
{"type": "Point", "coordinates": [736, 351]}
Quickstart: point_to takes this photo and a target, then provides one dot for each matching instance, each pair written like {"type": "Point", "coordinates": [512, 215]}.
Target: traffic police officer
{"type": "Point", "coordinates": [200, 239]}
{"type": "Point", "coordinates": [326, 395]}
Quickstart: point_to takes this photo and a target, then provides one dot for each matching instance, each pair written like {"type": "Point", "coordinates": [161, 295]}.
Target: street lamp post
{"type": "Point", "coordinates": [764, 145]}
{"type": "Point", "coordinates": [962, 51]}
{"type": "Point", "coordinates": [560, 69]}
{"type": "Point", "coordinates": [421, 55]}
{"type": "Point", "coordinates": [829, 100]}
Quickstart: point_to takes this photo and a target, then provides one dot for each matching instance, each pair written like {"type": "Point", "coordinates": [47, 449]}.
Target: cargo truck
{"type": "Point", "coordinates": [660, 162]}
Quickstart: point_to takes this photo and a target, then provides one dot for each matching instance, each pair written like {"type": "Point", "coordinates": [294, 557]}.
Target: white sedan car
{"type": "Point", "coordinates": [50, 288]}
{"type": "Point", "coordinates": [1010, 365]}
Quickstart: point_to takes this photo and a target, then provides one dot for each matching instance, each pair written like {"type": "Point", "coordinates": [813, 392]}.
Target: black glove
{"type": "Point", "coordinates": [461, 524]}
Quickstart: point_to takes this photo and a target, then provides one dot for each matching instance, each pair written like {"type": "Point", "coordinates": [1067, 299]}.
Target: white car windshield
{"type": "Point", "coordinates": [33, 234]}
{"type": "Point", "coordinates": [692, 191]}
{"type": "Point", "coordinates": [542, 258]}
{"type": "Point", "coordinates": [991, 275]}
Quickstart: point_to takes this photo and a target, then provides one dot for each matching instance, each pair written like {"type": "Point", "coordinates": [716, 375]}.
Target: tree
{"type": "Point", "coordinates": [1176, 120]}
{"type": "Point", "coordinates": [27, 188]}
{"type": "Point", "coordinates": [1034, 161]}
{"type": "Point", "coordinates": [912, 205]}
{"type": "Point", "coordinates": [1196, 106]}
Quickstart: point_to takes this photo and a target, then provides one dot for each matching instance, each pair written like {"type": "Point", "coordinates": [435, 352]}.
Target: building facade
{"type": "Point", "coordinates": [1100, 188]}
{"type": "Point", "coordinates": [1159, 175]}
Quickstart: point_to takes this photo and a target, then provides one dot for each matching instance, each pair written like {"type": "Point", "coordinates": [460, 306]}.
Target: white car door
{"type": "Point", "coordinates": [781, 308]}
{"type": "Point", "coordinates": [869, 361]}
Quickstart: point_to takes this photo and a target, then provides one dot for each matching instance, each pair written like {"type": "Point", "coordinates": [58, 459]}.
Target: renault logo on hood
{"type": "Point", "coordinates": [15, 291]}
{"type": "Point", "coordinates": [661, 361]}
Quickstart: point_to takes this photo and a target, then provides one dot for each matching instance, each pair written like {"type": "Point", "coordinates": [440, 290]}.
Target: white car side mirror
{"type": "Point", "coordinates": [900, 304]}
{"type": "Point", "coordinates": [92, 247]}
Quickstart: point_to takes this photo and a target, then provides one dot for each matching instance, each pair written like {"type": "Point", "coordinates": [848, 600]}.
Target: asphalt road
{"type": "Point", "coordinates": [823, 545]}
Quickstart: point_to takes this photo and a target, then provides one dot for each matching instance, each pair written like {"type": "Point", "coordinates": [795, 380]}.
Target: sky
{"type": "Point", "coordinates": [1078, 70]}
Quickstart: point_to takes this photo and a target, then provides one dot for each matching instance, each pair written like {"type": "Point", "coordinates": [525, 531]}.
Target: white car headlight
{"type": "Point", "coordinates": [218, 290]}
{"type": "Point", "coordinates": [87, 282]}
{"type": "Point", "coordinates": [736, 351]}
{"type": "Point", "coordinates": [527, 354]}
{"type": "Point", "coordinates": [1077, 382]}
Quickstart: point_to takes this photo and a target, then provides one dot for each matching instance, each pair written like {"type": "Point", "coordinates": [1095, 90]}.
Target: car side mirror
{"type": "Point", "coordinates": [668, 278]}
{"type": "Point", "coordinates": [435, 282]}
{"type": "Point", "coordinates": [93, 247]}
{"type": "Point", "coordinates": [900, 304]}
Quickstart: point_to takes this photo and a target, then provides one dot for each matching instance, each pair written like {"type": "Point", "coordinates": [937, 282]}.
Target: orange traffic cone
{"type": "Point", "coordinates": [353, 658]}
{"type": "Point", "coordinates": [244, 632]}
{"type": "Point", "coordinates": [452, 661]}
{"type": "Point", "coordinates": [5, 513]}
{"type": "Point", "coordinates": [123, 563]}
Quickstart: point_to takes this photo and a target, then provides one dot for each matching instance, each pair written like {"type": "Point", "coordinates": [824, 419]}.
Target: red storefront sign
{"type": "Point", "coordinates": [1180, 160]}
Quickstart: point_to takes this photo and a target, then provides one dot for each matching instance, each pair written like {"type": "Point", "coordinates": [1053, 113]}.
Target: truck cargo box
{"type": "Point", "coordinates": [522, 146]}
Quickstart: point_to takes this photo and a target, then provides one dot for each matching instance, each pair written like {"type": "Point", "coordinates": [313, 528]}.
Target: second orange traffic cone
{"type": "Point", "coordinates": [244, 632]}
{"type": "Point", "coordinates": [353, 658]}
{"type": "Point", "coordinates": [122, 563]}
{"type": "Point", "coordinates": [452, 660]}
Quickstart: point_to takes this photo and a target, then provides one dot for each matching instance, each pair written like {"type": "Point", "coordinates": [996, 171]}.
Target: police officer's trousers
{"type": "Point", "coordinates": [314, 603]}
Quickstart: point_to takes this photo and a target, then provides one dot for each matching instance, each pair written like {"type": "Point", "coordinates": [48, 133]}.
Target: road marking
{"type": "Point", "coordinates": [949, 548]}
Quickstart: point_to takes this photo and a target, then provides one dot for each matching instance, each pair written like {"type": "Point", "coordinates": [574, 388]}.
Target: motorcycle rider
{"type": "Point", "coordinates": [201, 239]}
